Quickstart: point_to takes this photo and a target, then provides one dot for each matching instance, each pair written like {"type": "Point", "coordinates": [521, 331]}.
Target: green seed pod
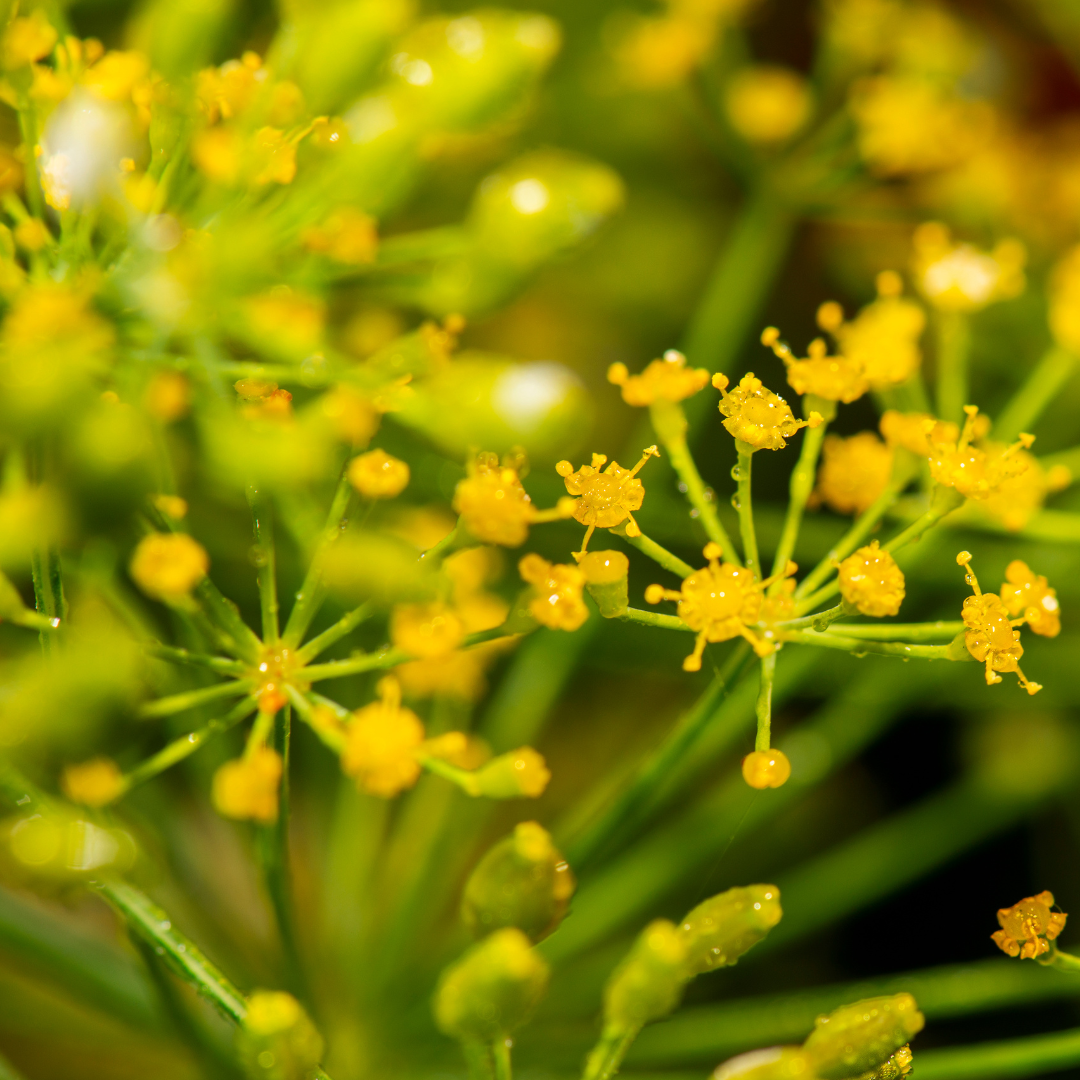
{"type": "Point", "coordinates": [277, 1040]}
{"type": "Point", "coordinates": [860, 1038]}
{"type": "Point", "coordinates": [520, 774]}
{"type": "Point", "coordinates": [649, 982]}
{"type": "Point", "coordinates": [606, 579]}
{"type": "Point", "coordinates": [772, 1063]}
{"type": "Point", "coordinates": [522, 881]}
{"type": "Point", "coordinates": [492, 990]}
{"type": "Point", "coordinates": [719, 930]}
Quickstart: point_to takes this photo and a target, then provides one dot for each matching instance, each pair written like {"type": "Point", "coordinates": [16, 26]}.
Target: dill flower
{"type": "Point", "coordinates": [960, 277]}
{"type": "Point", "coordinates": [766, 769]}
{"type": "Point", "coordinates": [556, 592]}
{"type": "Point", "coordinates": [917, 432]}
{"type": "Point", "coordinates": [248, 787]}
{"type": "Point", "coordinates": [1026, 593]}
{"type": "Point", "coordinates": [767, 104]}
{"type": "Point", "coordinates": [381, 742]}
{"type": "Point", "coordinates": [347, 236]}
{"type": "Point", "coordinates": [833, 378]}
{"type": "Point", "coordinates": [1028, 927]}
{"type": "Point", "coordinates": [167, 566]}
{"type": "Point", "coordinates": [853, 472]}
{"type": "Point", "coordinates": [757, 416]}
{"type": "Point", "coordinates": [976, 472]}
{"type": "Point", "coordinates": [426, 630]}
{"type": "Point", "coordinates": [354, 416]}
{"type": "Point", "coordinates": [991, 638]}
{"type": "Point", "coordinates": [605, 499]}
{"type": "Point", "coordinates": [378, 475]}
{"type": "Point", "coordinates": [167, 396]}
{"type": "Point", "coordinates": [871, 581]}
{"type": "Point", "coordinates": [668, 379]}
{"type": "Point", "coordinates": [606, 578]}
{"type": "Point", "coordinates": [26, 39]}
{"type": "Point", "coordinates": [93, 783]}
{"type": "Point", "coordinates": [1017, 497]}
{"type": "Point", "coordinates": [521, 773]}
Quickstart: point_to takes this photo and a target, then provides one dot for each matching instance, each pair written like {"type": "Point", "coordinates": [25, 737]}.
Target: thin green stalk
{"type": "Point", "coordinates": [745, 508]}
{"type": "Point", "coordinates": [310, 596]}
{"type": "Point", "coordinates": [653, 618]}
{"type": "Point", "coordinates": [28, 130]}
{"type": "Point", "coordinates": [266, 564]}
{"type": "Point", "coordinates": [345, 625]}
{"type": "Point", "coordinates": [859, 646]}
{"type": "Point", "coordinates": [235, 635]}
{"type": "Point", "coordinates": [669, 421]}
{"type": "Point", "coordinates": [220, 664]}
{"type": "Point", "coordinates": [953, 353]}
{"type": "Point", "coordinates": [1028, 1056]}
{"type": "Point", "coordinates": [763, 739]}
{"type": "Point", "coordinates": [190, 699]}
{"type": "Point", "coordinates": [186, 745]}
{"type": "Point", "coordinates": [333, 738]}
{"type": "Point", "coordinates": [1063, 961]}
{"type": "Point", "coordinates": [607, 1055]}
{"type": "Point", "coordinates": [500, 1052]}
{"type": "Point", "coordinates": [48, 593]}
{"type": "Point", "coordinates": [446, 544]}
{"type": "Point", "coordinates": [462, 778]}
{"type": "Point", "coordinates": [658, 554]}
{"type": "Point", "coordinates": [802, 481]}
{"type": "Point", "coordinates": [818, 621]}
{"type": "Point", "coordinates": [1044, 384]}
{"type": "Point", "coordinates": [479, 1060]}
{"type": "Point", "coordinates": [906, 631]}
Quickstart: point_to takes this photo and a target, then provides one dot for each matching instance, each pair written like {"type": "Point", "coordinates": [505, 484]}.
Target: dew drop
{"type": "Point", "coordinates": [683, 486]}
{"type": "Point", "coordinates": [695, 513]}
{"type": "Point", "coordinates": [709, 494]}
{"type": "Point", "coordinates": [736, 502]}
{"type": "Point", "coordinates": [736, 473]}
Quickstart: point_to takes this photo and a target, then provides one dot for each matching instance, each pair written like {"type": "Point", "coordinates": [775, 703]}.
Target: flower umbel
{"type": "Point", "coordinates": [975, 472]}
{"type": "Point", "coordinates": [381, 744]}
{"type": "Point", "coordinates": [1029, 926]}
{"type": "Point", "coordinates": [1026, 593]}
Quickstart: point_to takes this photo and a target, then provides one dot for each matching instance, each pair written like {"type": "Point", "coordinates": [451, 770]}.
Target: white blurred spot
{"type": "Point", "coordinates": [529, 196]}
{"type": "Point", "coordinates": [524, 395]}
{"type": "Point", "coordinates": [91, 847]}
{"type": "Point", "coordinates": [162, 232]}
{"type": "Point", "coordinates": [466, 37]}
{"type": "Point", "coordinates": [414, 71]}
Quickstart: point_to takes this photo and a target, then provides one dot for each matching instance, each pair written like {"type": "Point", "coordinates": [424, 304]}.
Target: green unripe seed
{"type": "Point", "coordinates": [719, 930]}
{"type": "Point", "coordinates": [860, 1038]}
{"type": "Point", "coordinates": [492, 990]}
{"type": "Point", "coordinates": [277, 1040]}
{"type": "Point", "coordinates": [522, 881]}
{"type": "Point", "coordinates": [649, 982]}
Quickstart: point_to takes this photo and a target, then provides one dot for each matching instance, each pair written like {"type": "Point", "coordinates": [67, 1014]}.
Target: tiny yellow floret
{"type": "Point", "coordinates": [917, 432]}
{"type": "Point", "coordinates": [668, 379]}
{"type": "Point", "coordinates": [1028, 927]}
{"type": "Point", "coordinates": [1026, 593]}
{"type": "Point", "coordinates": [247, 788]}
{"type": "Point", "coordinates": [977, 472]}
{"type": "Point", "coordinates": [557, 602]}
{"type": "Point", "coordinates": [426, 630]}
{"type": "Point", "coordinates": [960, 277]}
{"type": "Point", "coordinates": [382, 740]}
{"type": "Point", "coordinates": [93, 783]}
{"type": "Point", "coordinates": [757, 416]}
{"type": "Point", "coordinates": [833, 378]}
{"type": "Point", "coordinates": [767, 104]}
{"type": "Point", "coordinates": [766, 769]}
{"type": "Point", "coordinates": [378, 475]}
{"type": "Point", "coordinates": [167, 566]}
{"type": "Point", "coordinates": [871, 581]}
{"type": "Point", "coordinates": [853, 472]}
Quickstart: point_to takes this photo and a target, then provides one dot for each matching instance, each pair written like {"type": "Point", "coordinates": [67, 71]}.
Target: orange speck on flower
{"type": "Point", "coordinates": [720, 602]}
{"type": "Point", "coordinates": [377, 475]}
{"type": "Point", "coordinates": [976, 472]}
{"type": "Point", "coordinates": [382, 740]}
{"type": "Point", "coordinates": [833, 378]}
{"type": "Point", "coordinates": [757, 416]}
{"type": "Point", "coordinates": [167, 566]}
{"type": "Point", "coordinates": [1029, 926]}
{"type": "Point", "coordinates": [605, 499]}
{"type": "Point", "coordinates": [1028, 594]}
{"type": "Point", "coordinates": [766, 769]}
{"type": "Point", "coordinates": [426, 630]}
{"type": "Point", "coordinates": [668, 379]}
{"type": "Point", "coordinates": [871, 581]}
{"type": "Point", "coordinates": [853, 473]}
{"type": "Point", "coordinates": [991, 638]}
{"type": "Point", "coordinates": [93, 783]}
{"type": "Point", "coordinates": [556, 602]}
{"type": "Point", "coordinates": [247, 788]}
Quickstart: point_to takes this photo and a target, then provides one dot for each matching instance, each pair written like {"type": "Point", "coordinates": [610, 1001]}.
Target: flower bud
{"type": "Point", "coordinates": [649, 982]}
{"type": "Point", "coordinates": [858, 1038]}
{"type": "Point", "coordinates": [719, 930]}
{"type": "Point", "coordinates": [377, 475]}
{"type": "Point", "coordinates": [93, 783]}
{"type": "Point", "coordinates": [522, 881]}
{"type": "Point", "coordinates": [772, 1063]}
{"type": "Point", "coordinates": [277, 1040]}
{"type": "Point", "coordinates": [167, 566]}
{"type": "Point", "coordinates": [606, 579]}
{"type": "Point", "coordinates": [521, 773]}
{"type": "Point", "coordinates": [493, 989]}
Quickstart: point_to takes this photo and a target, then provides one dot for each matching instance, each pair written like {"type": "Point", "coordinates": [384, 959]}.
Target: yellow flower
{"type": "Point", "coordinates": [975, 472]}
{"type": "Point", "coordinates": [871, 581]}
{"type": "Point", "coordinates": [1028, 926]}
{"type": "Point", "coordinates": [720, 602]}
{"type": "Point", "coordinates": [494, 505]}
{"type": "Point", "coordinates": [990, 637]}
{"type": "Point", "coordinates": [32, 234]}
{"type": "Point", "coordinates": [917, 432]}
{"type": "Point", "coordinates": [115, 76]}
{"type": "Point", "coordinates": [960, 277]}
{"type": "Point", "coordinates": [834, 378]}
{"type": "Point", "coordinates": [172, 506]}
{"type": "Point", "coordinates": [382, 740]}
{"type": "Point", "coordinates": [757, 416]}
{"type": "Point", "coordinates": [883, 337]}
{"type": "Point", "coordinates": [273, 155]}
{"type": "Point", "coordinates": [607, 498]}
{"type": "Point", "coordinates": [93, 783]}
{"type": "Point", "coordinates": [348, 236]}
{"type": "Point", "coordinates": [556, 601]}
{"type": "Point", "coordinates": [217, 152]}
{"type": "Point", "coordinates": [353, 416]}
{"type": "Point", "coordinates": [767, 104]}
{"type": "Point", "coordinates": [167, 566]}
{"type": "Point", "coordinates": [668, 379]}
{"type": "Point", "coordinates": [1017, 497]}
{"type": "Point", "coordinates": [1028, 594]}
{"type": "Point", "coordinates": [853, 473]}
{"type": "Point", "coordinates": [377, 475]}
{"type": "Point", "coordinates": [459, 674]}
{"type": "Point", "coordinates": [167, 396]}
{"type": "Point", "coordinates": [226, 91]}
{"type": "Point", "coordinates": [766, 769]}
{"type": "Point", "coordinates": [289, 318]}
{"type": "Point", "coordinates": [426, 630]}
{"type": "Point", "coordinates": [247, 788]}
{"type": "Point", "coordinates": [26, 39]}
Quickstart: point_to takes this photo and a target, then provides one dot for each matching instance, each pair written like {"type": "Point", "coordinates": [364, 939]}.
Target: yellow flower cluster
{"type": "Point", "coordinates": [1028, 927]}
{"type": "Point", "coordinates": [854, 472]}
{"type": "Point", "coordinates": [756, 416]}
{"type": "Point", "coordinates": [960, 277]}
{"type": "Point", "coordinates": [93, 783]}
{"type": "Point", "coordinates": [381, 743]}
{"type": "Point", "coordinates": [832, 378]}
{"type": "Point", "coordinates": [975, 472]}
{"type": "Point", "coordinates": [668, 379]}
{"type": "Point", "coordinates": [248, 788]}
{"type": "Point", "coordinates": [871, 582]}
{"type": "Point", "coordinates": [167, 566]}
{"type": "Point", "coordinates": [378, 475]}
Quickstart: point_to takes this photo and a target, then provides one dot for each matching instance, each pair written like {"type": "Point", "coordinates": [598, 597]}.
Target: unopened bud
{"type": "Point", "coordinates": [860, 1038]}
{"type": "Point", "coordinates": [520, 774]}
{"type": "Point", "coordinates": [277, 1040]}
{"type": "Point", "coordinates": [719, 930]}
{"type": "Point", "coordinates": [522, 881]}
{"type": "Point", "coordinates": [606, 579]}
{"type": "Point", "coordinates": [772, 1063]}
{"type": "Point", "coordinates": [493, 989]}
{"type": "Point", "coordinates": [649, 982]}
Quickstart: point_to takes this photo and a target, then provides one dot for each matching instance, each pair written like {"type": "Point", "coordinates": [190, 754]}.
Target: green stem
{"type": "Point", "coordinates": [500, 1052]}
{"type": "Point", "coordinates": [462, 778]}
{"type": "Point", "coordinates": [1063, 961]}
{"type": "Point", "coordinates": [953, 351]}
{"type": "Point", "coordinates": [29, 132]}
{"type": "Point", "coordinates": [237, 637]}
{"type": "Point", "coordinates": [1044, 384]}
{"type": "Point", "coordinates": [478, 1059]}
{"type": "Point", "coordinates": [310, 596]}
{"type": "Point", "coordinates": [1027, 1056]}
{"type": "Point", "coordinates": [859, 646]}
{"type": "Point", "coordinates": [190, 699]}
{"type": "Point", "coordinates": [333, 738]}
{"type": "Point", "coordinates": [658, 554]}
{"type": "Point", "coordinates": [745, 508]}
{"type": "Point", "coordinates": [266, 564]}
{"type": "Point", "coordinates": [818, 621]}
{"type": "Point", "coordinates": [606, 1056]}
{"type": "Point", "coordinates": [802, 480]}
{"type": "Point", "coordinates": [221, 664]}
{"type": "Point", "coordinates": [653, 618]}
{"type": "Point", "coordinates": [907, 631]}
{"type": "Point", "coordinates": [445, 545]}
{"type": "Point", "coordinates": [345, 625]}
{"type": "Point", "coordinates": [670, 422]}
{"type": "Point", "coordinates": [763, 740]}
